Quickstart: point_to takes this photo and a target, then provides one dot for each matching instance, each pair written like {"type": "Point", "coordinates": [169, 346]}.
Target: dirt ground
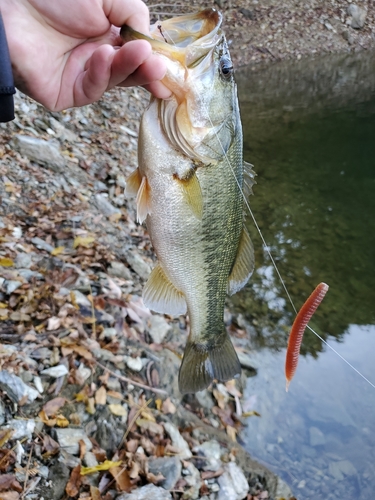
{"type": "Point", "coordinates": [89, 399]}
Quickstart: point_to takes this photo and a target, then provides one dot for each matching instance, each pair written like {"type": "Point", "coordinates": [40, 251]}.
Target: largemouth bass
{"type": "Point", "coordinates": [188, 188]}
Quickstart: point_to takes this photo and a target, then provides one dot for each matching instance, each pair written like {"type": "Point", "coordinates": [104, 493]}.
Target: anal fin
{"type": "Point", "coordinates": [160, 295]}
{"type": "Point", "coordinates": [244, 264]}
{"type": "Point", "coordinates": [203, 363]}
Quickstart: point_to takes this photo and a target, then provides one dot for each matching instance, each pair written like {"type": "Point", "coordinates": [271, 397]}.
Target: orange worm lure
{"type": "Point", "coordinates": [298, 329]}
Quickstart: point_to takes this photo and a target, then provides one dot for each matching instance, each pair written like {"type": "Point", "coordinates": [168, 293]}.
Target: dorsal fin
{"type": "Point", "coordinates": [248, 179]}
{"type": "Point", "coordinates": [160, 295]}
{"type": "Point", "coordinates": [244, 264]}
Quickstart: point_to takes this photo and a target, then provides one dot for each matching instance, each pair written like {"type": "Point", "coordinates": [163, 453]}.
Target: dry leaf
{"type": "Point", "coordinates": [90, 406]}
{"type": "Point", "coordinates": [83, 241]}
{"type": "Point", "coordinates": [5, 262]}
{"type": "Point", "coordinates": [232, 389]}
{"type": "Point", "coordinates": [118, 410]}
{"type": "Point", "coordinates": [150, 426]}
{"type": "Point", "coordinates": [9, 482]}
{"type": "Point", "coordinates": [108, 464]}
{"type": "Point", "coordinates": [51, 422]}
{"type": "Point", "coordinates": [134, 472]}
{"type": "Point", "coordinates": [121, 476]}
{"type": "Point", "coordinates": [101, 396]}
{"type": "Point", "coordinates": [95, 493]}
{"type": "Point", "coordinates": [53, 406]}
{"type": "Point", "coordinates": [232, 432]}
{"type": "Point", "coordinates": [74, 483]}
{"type": "Point", "coordinates": [168, 407]}
{"type": "Point", "coordinates": [5, 435]}
{"type": "Point", "coordinates": [82, 351]}
{"type": "Point", "coordinates": [50, 446]}
{"type": "Point", "coordinates": [57, 251]}
{"type": "Point", "coordinates": [10, 495]}
{"type": "Point", "coordinates": [61, 421]}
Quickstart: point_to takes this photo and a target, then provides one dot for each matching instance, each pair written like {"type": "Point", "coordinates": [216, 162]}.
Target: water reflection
{"type": "Point", "coordinates": [309, 130]}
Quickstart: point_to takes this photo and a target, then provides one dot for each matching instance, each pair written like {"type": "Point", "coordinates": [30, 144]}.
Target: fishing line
{"type": "Point", "coordinates": [265, 246]}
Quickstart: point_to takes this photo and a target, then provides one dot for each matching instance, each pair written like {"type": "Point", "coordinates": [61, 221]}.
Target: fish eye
{"type": "Point", "coordinates": [226, 68]}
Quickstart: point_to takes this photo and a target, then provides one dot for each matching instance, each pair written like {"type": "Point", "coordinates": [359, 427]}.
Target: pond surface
{"type": "Point", "coordinates": [309, 130]}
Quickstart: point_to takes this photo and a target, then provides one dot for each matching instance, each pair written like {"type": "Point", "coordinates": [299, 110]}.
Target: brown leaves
{"type": "Point", "coordinates": [50, 409]}
{"type": "Point", "coordinates": [74, 483]}
{"type": "Point", "coordinates": [9, 482]}
{"type": "Point", "coordinates": [122, 478]}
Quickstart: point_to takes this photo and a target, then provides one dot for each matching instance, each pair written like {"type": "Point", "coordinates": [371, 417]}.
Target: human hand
{"type": "Point", "coordinates": [67, 53]}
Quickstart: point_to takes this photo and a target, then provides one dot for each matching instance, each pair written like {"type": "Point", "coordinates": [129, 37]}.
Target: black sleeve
{"type": "Point", "coordinates": [6, 79]}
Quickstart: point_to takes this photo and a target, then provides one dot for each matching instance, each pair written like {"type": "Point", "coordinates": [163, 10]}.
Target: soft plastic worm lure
{"type": "Point", "coordinates": [298, 329]}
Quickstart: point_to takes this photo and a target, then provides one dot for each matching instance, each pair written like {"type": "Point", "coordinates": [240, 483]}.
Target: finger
{"type": "Point", "coordinates": [134, 64]}
{"type": "Point", "coordinates": [158, 90]}
{"type": "Point", "coordinates": [134, 13]}
{"type": "Point", "coordinates": [91, 84]}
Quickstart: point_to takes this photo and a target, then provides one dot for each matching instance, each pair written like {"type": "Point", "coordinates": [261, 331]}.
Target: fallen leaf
{"type": "Point", "coordinates": [95, 493]}
{"type": "Point", "coordinates": [57, 251]}
{"type": "Point", "coordinates": [51, 422]}
{"type": "Point", "coordinates": [9, 482]}
{"type": "Point", "coordinates": [251, 413]}
{"type": "Point", "coordinates": [82, 351]}
{"type": "Point", "coordinates": [53, 406]}
{"type": "Point", "coordinates": [168, 407]}
{"type": "Point", "coordinates": [101, 396]}
{"type": "Point", "coordinates": [118, 410]}
{"type": "Point", "coordinates": [108, 464]}
{"type": "Point", "coordinates": [5, 435]}
{"type": "Point", "coordinates": [74, 483]}
{"type": "Point", "coordinates": [10, 495]}
{"type": "Point", "coordinates": [232, 432]}
{"type": "Point", "coordinates": [150, 426]}
{"type": "Point", "coordinates": [50, 446]}
{"type": "Point", "coordinates": [62, 421]}
{"type": "Point", "coordinates": [5, 262]}
{"type": "Point", "coordinates": [83, 241]}
{"type": "Point", "coordinates": [121, 476]}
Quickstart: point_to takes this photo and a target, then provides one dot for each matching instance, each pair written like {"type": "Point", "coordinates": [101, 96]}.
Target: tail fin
{"type": "Point", "coordinates": [202, 363]}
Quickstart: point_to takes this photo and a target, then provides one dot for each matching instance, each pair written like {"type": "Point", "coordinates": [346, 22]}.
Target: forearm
{"type": "Point", "coordinates": [6, 79]}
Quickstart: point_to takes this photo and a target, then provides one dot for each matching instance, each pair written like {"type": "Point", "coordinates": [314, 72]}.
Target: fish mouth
{"type": "Point", "coordinates": [187, 38]}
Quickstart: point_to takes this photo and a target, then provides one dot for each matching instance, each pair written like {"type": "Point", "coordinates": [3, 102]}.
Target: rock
{"type": "Point", "coordinates": [212, 451]}
{"type": "Point", "coordinates": [119, 270]}
{"type": "Point", "coordinates": [69, 440]}
{"type": "Point", "coordinates": [38, 384]}
{"type": "Point", "coordinates": [205, 399]}
{"type": "Point", "coordinates": [138, 264]}
{"type": "Point", "coordinates": [178, 441]}
{"type": "Point", "coordinates": [55, 371]}
{"type": "Point", "coordinates": [59, 476]}
{"type": "Point", "coordinates": [22, 428]}
{"type": "Point", "coordinates": [316, 437]}
{"type": "Point", "coordinates": [105, 206]}
{"type": "Point", "coordinates": [148, 492]}
{"type": "Point", "coordinates": [62, 132]}
{"type": "Point", "coordinates": [283, 490]}
{"type": "Point", "coordinates": [193, 479]}
{"type": "Point", "coordinates": [81, 299]}
{"type": "Point", "coordinates": [169, 467]}
{"type": "Point", "coordinates": [358, 16]}
{"type": "Point", "coordinates": [249, 14]}
{"type": "Point", "coordinates": [43, 152]}
{"type": "Point", "coordinates": [233, 483]}
{"type": "Point", "coordinates": [11, 286]}
{"type": "Point", "coordinates": [341, 469]}
{"type": "Point", "coordinates": [41, 244]}
{"type": "Point", "coordinates": [90, 460]}
{"type": "Point", "coordinates": [16, 388]}
{"type": "Point", "coordinates": [23, 260]}
{"type": "Point", "coordinates": [158, 328]}
{"type": "Point", "coordinates": [134, 364]}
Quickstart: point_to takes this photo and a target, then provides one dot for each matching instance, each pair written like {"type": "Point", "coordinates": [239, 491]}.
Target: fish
{"type": "Point", "coordinates": [189, 188]}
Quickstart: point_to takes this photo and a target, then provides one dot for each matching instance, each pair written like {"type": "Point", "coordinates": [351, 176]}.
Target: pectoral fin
{"type": "Point", "coordinates": [133, 183]}
{"type": "Point", "coordinates": [160, 295]}
{"type": "Point", "coordinates": [192, 194]}
{"type": "Point", "coordinates": [244, 264]}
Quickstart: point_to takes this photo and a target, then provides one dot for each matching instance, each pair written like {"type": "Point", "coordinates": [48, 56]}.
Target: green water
{"type": "Point", "coordinates": [309, 130]}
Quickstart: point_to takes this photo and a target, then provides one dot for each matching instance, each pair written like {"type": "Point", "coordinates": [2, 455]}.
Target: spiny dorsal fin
{"type": "Point", "coordinates": [143, 200]}
{"type": "Point", "coordinates": [160, 295]}
{"type": "Point", "coordinates": [192, 194]}
{"type": "Point", "coordinates": [133, 183]}
{"type": "Point", "coordinates": [244, 264]}
{"type": "Point", "coordinates": [248, 181]}
{"type": "Point", "coordinates": [203, 363]}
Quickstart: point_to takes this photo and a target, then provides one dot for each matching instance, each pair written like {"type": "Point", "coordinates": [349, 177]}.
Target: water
{"type": "Point", "coordinates": [309, 130]}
